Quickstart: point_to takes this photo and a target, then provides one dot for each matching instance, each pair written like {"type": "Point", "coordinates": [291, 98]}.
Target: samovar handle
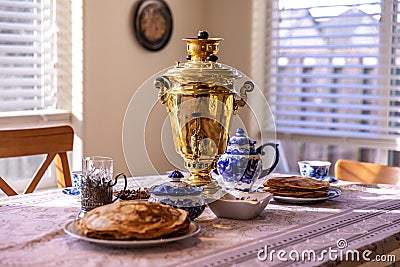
{"type": "Point", "coordinates": [246, 88]}
{"type": "Point", "coordinates": [163, 84]}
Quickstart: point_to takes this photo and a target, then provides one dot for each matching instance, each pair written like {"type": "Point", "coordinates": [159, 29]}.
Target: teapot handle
{"type": "Point", "coordinates": [273, 166]}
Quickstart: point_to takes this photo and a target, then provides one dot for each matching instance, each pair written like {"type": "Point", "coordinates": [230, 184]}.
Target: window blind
{"type": "Point", "coordinates": [335, 68]}
{"type": "Point", "coordinates": [27, 55]}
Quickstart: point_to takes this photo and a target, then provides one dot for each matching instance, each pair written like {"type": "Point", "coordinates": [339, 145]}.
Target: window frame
{"type": "Point", "coordinates": [262, 36]}
{"type": "Point", "coordinates": [69, 108]}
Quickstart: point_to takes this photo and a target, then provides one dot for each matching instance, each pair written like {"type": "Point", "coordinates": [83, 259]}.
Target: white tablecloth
{"type": "Point", "coordinates": [366, 217]}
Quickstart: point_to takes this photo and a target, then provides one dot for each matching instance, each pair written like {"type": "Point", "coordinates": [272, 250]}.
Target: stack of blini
{"type": "Point", "coordinates": [134, 220]}
{"type": "Point", "coordinates": [297, 186]}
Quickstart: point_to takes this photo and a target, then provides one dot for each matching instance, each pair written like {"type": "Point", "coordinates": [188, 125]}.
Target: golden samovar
{"type": "Point", "coordinates": [201, 99]}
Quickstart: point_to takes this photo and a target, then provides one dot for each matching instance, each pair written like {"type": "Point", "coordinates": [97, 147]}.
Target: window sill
{"type": "Point", "coordinates": [34, 118]}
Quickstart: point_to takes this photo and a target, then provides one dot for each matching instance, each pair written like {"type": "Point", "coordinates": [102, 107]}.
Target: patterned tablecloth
{"type": "Point", "coordinates": [364, 222]}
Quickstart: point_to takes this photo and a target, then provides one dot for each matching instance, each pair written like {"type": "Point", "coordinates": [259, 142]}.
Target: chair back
{"type": "Point", "coordinates": [369, 173]}
{"type": "Point", "coordinates": [51, 141]}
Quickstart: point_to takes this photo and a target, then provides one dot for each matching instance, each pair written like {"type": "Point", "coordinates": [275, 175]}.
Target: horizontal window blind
{"type": "Point", "coordinates": [27, 55]}
{"type": "Point", "coordinates": [335, 68]}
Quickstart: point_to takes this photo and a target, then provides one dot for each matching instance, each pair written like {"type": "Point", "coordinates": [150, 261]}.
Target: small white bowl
{"type": "Point", "coordinates": [232, 206]}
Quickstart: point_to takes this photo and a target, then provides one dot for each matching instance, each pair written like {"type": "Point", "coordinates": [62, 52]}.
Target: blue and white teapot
{"type": "Point", "coordinates": [241, 165]}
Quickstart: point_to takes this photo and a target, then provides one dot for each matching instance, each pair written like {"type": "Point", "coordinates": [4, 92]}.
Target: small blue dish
{"type": "Point", "coordinates": [72, 191]}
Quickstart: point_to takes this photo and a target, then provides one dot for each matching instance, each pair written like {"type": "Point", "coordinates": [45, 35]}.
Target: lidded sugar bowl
{"type": "Point", "coordinates": [175, 194]}
{"type": "Point", "coordinates": [241, 165]}
{"type": "Point", "coordinates": [201, 100]}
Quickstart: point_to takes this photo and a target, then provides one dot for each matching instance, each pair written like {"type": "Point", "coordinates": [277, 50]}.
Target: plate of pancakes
{"type": "Point", "coordinates": [300, 190]}
{"type": "Point", "coordinates": [133, 224]}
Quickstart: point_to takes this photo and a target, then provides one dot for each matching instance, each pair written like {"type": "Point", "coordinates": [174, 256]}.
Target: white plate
{"type": "Point", "coordinates": [71, 229]}
{"type": "Point", "coordinates": [333, 192]}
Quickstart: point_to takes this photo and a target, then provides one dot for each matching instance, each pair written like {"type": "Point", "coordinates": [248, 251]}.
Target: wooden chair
{"type": "Point", "coordinates": [369, 173]}
{"type": "Point", "coordinates": [51, 141]}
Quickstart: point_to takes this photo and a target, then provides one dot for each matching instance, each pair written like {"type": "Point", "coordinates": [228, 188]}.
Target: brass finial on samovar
{"type": "Point", "coordinates": [201, 99]}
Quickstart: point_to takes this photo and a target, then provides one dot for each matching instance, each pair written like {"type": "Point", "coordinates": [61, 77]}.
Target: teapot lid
{"type": "Point", "coordinates": [202, 63]}
{"type": "Point", "coordinates": [241, 144]}
{"type": "Point", "coordinates": [173, 189]}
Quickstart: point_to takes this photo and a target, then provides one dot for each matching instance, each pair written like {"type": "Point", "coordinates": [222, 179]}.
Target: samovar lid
{"type": "Point", "coordinates": [202, 48]}
{"type": "Point", "coordinates": [202, 63]}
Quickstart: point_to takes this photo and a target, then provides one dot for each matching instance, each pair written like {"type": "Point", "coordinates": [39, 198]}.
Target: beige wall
{"type": "Point", "coordinates": [231, 20]}
{"type": "Point", "coordinates": [115, 65]}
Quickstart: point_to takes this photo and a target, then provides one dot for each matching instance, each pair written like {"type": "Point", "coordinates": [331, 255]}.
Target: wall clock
{"type": "Point", "coordinates": [153, 24]}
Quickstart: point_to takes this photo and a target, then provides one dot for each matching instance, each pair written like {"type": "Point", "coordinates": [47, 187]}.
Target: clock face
{"type": "Point", "coordinates": [153, 24]}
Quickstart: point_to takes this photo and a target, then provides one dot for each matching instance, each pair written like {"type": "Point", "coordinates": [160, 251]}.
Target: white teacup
{"type": "Point", "coordinates": [314, 168]}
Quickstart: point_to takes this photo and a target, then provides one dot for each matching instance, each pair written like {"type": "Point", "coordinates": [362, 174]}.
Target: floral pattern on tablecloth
{"type": "Point", "coordinates": [32, 230]}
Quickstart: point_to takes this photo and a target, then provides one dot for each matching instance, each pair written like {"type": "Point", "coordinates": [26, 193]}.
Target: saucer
{"type": "Point", "coordinates": [72, 191]}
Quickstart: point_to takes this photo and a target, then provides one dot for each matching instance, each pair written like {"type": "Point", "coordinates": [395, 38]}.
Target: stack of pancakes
{"type": "Point", "coordinates": [130, 220]}
{"type": "Point", "coordinates": [297, 186]}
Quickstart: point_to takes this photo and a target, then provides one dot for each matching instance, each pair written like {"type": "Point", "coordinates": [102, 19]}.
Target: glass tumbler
{"type": "Point", "coordinates": [97, 182]}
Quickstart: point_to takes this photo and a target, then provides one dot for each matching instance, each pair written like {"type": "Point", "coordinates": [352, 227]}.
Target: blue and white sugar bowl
{"type": "Point", "coordinates": [241, 165]}
{"type": "Point", "coordinates": [186, 197]}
